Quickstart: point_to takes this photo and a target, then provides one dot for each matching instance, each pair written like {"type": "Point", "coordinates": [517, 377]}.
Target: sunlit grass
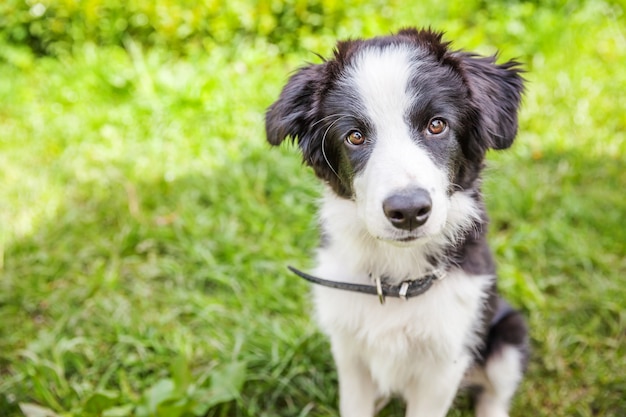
{"type": "Point", "coordinates": [145, 225]}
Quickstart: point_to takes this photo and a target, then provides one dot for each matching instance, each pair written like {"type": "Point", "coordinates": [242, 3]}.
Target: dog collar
{"type": "Point", "coordinates": [404, 291]}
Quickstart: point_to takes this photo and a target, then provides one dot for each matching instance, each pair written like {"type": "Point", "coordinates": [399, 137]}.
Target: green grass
{"type": "Point", "coordinates": [145, 225]}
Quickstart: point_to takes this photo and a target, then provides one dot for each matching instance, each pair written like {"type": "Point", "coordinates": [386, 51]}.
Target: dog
{"type": "Point", "coordinates": [397, 128]}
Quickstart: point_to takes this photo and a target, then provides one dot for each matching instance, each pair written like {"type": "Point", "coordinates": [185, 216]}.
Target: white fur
{"type": "Point", "coordinates": [380, 76]}
{"type": "Point", "coordinates": [359, 253]}
{"type": "Point", "coordinates": [499, 380]}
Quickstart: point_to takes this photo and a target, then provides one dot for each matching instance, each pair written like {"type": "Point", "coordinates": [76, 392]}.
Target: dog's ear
{"type": "Point", "coordinates": [294, 111]}
{"type": "Point", "coordinates": [296, 115]}
{"type": "Point", "coordinates": [496, 91]}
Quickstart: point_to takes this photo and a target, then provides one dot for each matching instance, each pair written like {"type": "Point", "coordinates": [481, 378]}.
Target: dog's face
{"type": "Point", "coordinates": [400, 126]}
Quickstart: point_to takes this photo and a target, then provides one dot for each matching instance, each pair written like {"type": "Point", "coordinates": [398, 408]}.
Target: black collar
{"type": "Point", "coordinates": [405, 290]}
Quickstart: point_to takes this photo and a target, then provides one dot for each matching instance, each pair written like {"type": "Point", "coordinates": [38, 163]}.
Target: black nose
{"type": "Point", "coordinates": [408, 209]}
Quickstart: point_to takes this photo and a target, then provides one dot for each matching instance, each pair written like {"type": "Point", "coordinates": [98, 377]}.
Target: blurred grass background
{"type": "Point", "coordinates": [145, 225]}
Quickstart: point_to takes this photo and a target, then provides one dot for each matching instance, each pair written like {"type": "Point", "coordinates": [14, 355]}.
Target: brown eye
{"type": "Point", "coordinates": [437, 126]}
{"type": "Point", "coordinates": [355, 138]}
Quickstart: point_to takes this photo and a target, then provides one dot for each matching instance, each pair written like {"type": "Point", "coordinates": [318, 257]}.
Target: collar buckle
{"type": "Point", "coordinates": [403, 290]}
{"type": "Point", "coordinates": [379, 290]}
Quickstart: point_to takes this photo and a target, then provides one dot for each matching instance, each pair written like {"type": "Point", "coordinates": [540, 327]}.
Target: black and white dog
{"type": "Point", "coordinates": [397, 127]}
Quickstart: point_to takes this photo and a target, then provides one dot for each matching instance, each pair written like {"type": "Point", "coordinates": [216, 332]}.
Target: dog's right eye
{"type": "Point", "coordinates": [437, 126]}
{"type": "Point", "coordinates": [355, 138]}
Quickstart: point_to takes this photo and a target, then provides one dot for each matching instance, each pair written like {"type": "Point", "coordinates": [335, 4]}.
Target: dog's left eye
{"type": "Point", "coordinates": [437, 126]}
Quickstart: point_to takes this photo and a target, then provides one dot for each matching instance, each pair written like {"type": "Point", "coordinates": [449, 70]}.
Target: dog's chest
{"type": "Point", "coordinates": [401, 339]}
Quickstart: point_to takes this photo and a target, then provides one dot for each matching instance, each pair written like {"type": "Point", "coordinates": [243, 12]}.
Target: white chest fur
{"type": "Point", "coordinates": [396, 341]}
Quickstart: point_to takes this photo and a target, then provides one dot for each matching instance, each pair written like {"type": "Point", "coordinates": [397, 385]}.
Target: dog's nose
{"type": "Point", "coordinates": [408, 209]}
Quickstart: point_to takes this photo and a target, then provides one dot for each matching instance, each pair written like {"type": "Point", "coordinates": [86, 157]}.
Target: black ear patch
{"type": "Point", "coordinates": [297, 114]}
{"type": "Point", "coordinates": [295, 110]}
{"type": "Point", "coordinates": [495, 92]}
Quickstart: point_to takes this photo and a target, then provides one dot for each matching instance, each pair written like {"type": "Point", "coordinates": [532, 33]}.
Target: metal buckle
{"type": "Point", "coordinates": [403, 290]}
{"type": "Point", "coordinates": [379, 290]}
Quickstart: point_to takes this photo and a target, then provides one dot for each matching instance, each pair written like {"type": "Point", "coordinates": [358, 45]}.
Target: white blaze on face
{"type": "Point", "coordinates": [381, 79]}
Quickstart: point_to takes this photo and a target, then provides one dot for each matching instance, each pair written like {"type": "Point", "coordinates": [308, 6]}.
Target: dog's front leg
{"type": "Point", "coordinates": [357, 391]}
{"type": "Point", "coordinates": [433, 393]}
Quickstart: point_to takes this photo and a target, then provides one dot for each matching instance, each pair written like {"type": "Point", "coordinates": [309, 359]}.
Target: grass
{"type": "Point", "coordinates": [145, 225]}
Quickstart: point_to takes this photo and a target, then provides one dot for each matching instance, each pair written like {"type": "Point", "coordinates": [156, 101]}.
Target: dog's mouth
{"type": "Point", "coordinates": [404, 240]}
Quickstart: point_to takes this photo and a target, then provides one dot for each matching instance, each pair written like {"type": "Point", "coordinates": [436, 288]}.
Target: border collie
{"type": "Point", "coordinates": [397, 128]}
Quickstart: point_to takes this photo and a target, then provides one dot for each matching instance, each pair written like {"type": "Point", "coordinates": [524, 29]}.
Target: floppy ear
{"type": "Point", "coordinates": [296, 115]}
{"type": "Point", "coordinates": [496, 92]}
{"type": "Point", "coordinates": [294, 111]}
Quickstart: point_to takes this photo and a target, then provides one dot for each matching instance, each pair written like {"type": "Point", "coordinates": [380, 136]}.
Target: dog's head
{"type": "Point", "coordinates": [399, 125]}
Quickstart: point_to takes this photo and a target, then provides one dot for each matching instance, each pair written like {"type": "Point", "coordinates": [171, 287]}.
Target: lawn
{"type": "Point", "coordinates": [145, 225]}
